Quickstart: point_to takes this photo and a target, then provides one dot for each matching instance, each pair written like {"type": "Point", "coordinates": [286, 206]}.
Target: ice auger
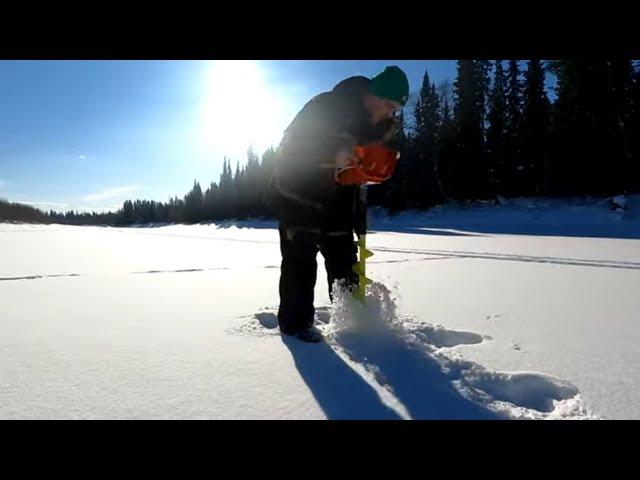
{"type": "Point", "coordinates": [375, 164]}
{"type": "Point", "coordinates": [361, 267]}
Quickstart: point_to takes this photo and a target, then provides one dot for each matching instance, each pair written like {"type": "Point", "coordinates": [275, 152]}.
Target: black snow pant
{"type": "Point", "coordinates": [298, 270]}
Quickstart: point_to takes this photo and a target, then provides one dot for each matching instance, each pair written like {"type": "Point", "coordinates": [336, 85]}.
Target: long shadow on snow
{"type": "Point", "coordinates": [339, 390]}
{"type": "Point", "coordinates": [416, 379]}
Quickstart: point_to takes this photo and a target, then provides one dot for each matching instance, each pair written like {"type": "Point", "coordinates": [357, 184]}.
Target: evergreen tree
{"type": "Point", "coordinates": [421, 182]}
{"type": "Point", "coordinates": [193, 204]}
{"type": "Point", "coordinates": [513, 168]}
{"type": "Point", "coordinates": [534, 129]}
{"type": "Point", "coordinates": [470, 177]}
{"type": "Point", "coordinates": [496, 132]}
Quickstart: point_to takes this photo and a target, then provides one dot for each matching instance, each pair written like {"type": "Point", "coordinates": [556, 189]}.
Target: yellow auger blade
{"type": "Point", "coordinates": [361, 269]}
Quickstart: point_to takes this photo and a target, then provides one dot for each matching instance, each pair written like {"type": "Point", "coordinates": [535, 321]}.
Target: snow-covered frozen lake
{"type": "Point", "coordinates": [515, 312]}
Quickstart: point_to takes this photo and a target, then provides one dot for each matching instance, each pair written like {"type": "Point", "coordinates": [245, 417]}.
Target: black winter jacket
{"type": "Point", "coordinates": [303, 188]}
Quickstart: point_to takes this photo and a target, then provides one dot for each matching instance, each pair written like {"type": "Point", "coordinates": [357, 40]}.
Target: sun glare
{"type": "Point", "coordinates": [241, 109]}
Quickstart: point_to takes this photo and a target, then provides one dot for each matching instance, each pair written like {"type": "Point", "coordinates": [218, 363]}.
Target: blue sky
{"type": "Point", "coordinates": [86, 135]}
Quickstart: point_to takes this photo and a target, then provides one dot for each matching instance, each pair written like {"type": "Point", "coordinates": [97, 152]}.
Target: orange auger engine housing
{"type": "Point", "coordinates": [375, 164]}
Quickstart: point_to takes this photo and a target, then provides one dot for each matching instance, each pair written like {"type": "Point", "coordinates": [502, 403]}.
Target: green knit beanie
{"type": "Point", "coordinates": [391, 84]}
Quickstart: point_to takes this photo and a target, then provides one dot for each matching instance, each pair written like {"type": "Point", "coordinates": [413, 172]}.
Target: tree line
{"type": "Point", "coordinates": [492, 134]}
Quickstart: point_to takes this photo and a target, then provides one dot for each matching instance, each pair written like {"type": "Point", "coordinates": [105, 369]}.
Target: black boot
{"type": "Point", "coordinates": [308, 335]}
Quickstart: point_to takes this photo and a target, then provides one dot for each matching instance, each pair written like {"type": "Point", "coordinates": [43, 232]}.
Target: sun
{"type": "Point", "coordinates": [240, 109]}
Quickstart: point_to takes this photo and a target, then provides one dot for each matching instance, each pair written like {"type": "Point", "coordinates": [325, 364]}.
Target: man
{"type": "Point", "coordinates": [315, 212]}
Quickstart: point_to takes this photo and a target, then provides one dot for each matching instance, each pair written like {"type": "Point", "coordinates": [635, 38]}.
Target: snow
{"type": "Point", "coordinates": [619, 201]}
{"type": "Point", "coordinates": [524, 310]}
